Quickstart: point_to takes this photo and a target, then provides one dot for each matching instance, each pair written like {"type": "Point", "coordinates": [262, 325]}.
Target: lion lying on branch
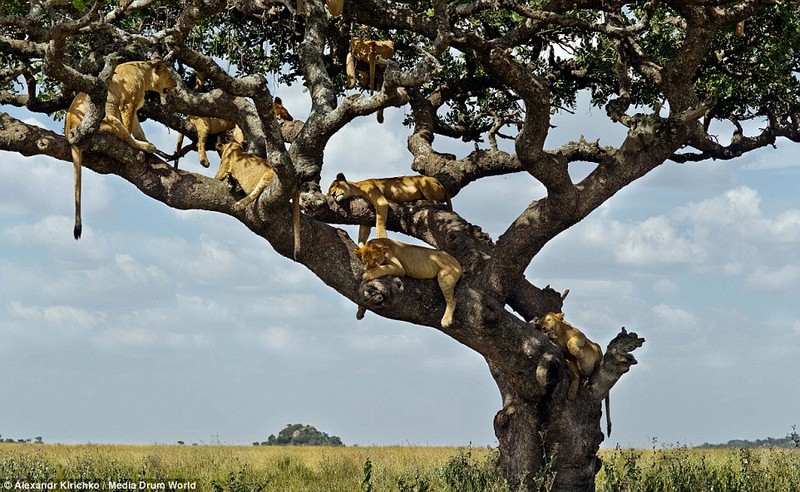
{"type": "Point", "coordinates": [383, 257]}
{"type": "Point", "coordinates": [379, 192]}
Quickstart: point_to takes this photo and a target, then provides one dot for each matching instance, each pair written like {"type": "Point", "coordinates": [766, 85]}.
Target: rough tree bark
{"type": "Point", "coordinates": [545, 438]}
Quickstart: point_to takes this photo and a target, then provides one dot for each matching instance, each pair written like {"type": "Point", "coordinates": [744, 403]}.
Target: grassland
{"type": "Point", "coordinates": [405, 469]}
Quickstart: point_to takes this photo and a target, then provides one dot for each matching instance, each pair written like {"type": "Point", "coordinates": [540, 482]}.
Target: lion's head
{"type": "Point", "coordinates": [371, 254]}
{"type": "Point", "coordinates": [162, 79]}
{"type": "Point", "coordinates": [341, 189]}
{"type": "Point", "coordinates": [548, 323]}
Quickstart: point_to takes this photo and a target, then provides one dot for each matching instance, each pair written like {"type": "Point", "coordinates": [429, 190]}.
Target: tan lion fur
{"type": "Point", "coordinates": [126, 90]}
{"type": "Point", "coordinates": [383, 257]}
{"type": "Point", "coordinates": [368, 51]}
{"type": "Point", "coordinates": [582, 355]}
{"type": "Point", "coordinates": [205, 125]}
{"type": "Point", "coordinates": [280, 111]}
{"type": "Point", "coordinates": [381, 191]}
{"type": "Point", "coordinates": [208, 125]}
{"type": "Point", "coordinates": [254, 174]}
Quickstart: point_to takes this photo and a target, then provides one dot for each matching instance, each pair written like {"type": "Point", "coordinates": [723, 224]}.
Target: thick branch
{"type": "Point", "coordinates": [616, 362]}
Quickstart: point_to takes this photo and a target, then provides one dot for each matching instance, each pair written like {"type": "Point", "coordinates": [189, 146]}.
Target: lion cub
{"type": "Point", "coordinates": [254, 174]}
{"type": "Point", "coordinates": [383, 257]}
{"type": "Point", "coordinates": [380, 192]}
{"type": "Point", "coordinates": [125, 97]}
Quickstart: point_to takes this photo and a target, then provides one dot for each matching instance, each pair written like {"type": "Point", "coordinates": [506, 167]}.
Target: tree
{"type": "Point", "coordinates": [302, 435]}
{"type": "Point", "coordinates": [673, 74]}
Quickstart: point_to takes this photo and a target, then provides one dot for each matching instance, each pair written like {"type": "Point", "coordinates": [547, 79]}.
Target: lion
{"type": "Point", "coordinates": [125, 97]}
{"type": "Point", "coordinates": [281, 113]}
{"type": "Point", "coordinates": [368, 51]}
{"type": "Point", "coordinates": [253, 174]}
{"type": "Point", "coordinates": [383, 256]}
{"type": "Point", "coordinates": [379, 192]}
{"type": "Point", "coordinates": [208, 125]}
{"type": "Point", "coordinates": [205, 125]}
{"type": "Point", "coordinates": [582, 355]}
{"type": "Point", "coordinates": [366, 63]}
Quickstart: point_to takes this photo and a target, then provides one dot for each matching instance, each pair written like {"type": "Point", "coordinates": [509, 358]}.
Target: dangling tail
{"type": "Point", "coordinates": [608, 416]}
{"type": "Point", "coordinates": [296, 222]}
{"type": "Point", "coordinates": [77, 159]}
{"type": "Point", "coordinates": [178, 146]}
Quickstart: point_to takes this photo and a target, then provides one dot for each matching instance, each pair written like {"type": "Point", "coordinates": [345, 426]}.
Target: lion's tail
{"type": "Point", "coordinates": [77, 161]}
{"type": "Point", "coordinates": [178, 146]}
{"type": "Point", "coordinates": [608, 416]}
{"type": "Point", "coordinates": [296, 222]}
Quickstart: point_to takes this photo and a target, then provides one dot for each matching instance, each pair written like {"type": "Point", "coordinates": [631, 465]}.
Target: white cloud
{"type": "Point", "coordinates": [665, 286]}
{"type": "Point", "coordinates": [365, 149]}
{"type": "Point", "coordinates": [656, 241]}
{"type": "Point", "coordinates": [784, 157]}
{"type": "Point", "coordinates": [52, 230]}
{"type": "Point", "coordinates": [59, 315]}
{"type": "Point", "coordinates": [673, 317]}
{"type": "Point", "coordinates": [136, 272]}
{"type": "Point", "coordinates": [728, 234]}
{"type": "Point", "coordinates": [375, 342]}
{"type": "Point", "coordinates": [781, 278]}
{"type": "Point", "coordinates": [139, 338]}
{"type": "Point", "coordinates": [738, 206]}
{"type": "Point", "coordinates": [277, 338]}
{"type": "Point", "coordinates": [43, 185]}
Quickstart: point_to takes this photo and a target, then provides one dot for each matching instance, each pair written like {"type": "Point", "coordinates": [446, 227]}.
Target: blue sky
{"type": "Point", "coordinates": [162, 325]}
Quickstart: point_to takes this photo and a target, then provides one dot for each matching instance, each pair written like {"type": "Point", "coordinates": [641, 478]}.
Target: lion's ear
{"type": "Point", "coordinates": [560, 316]}
{"type": "Point", "coordinates": [340, 177]}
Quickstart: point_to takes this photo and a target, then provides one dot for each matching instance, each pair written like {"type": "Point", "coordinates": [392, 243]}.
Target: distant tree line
{"type": "Point", "coordinates": [35, 440]}
{"type": "Point", "coordinates": [301, 435]}
{"type": "Point", "coordinates": [790, 441]}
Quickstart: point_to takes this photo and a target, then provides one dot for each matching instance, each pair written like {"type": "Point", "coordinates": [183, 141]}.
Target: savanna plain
{"type": "Point", "coordinates": [405, 468]}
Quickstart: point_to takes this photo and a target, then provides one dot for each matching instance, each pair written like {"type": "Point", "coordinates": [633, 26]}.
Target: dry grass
{"type": "Point", "coordinates": [696, 470]}
{"type": "Point", "coordinates": [234, 468]}
{"type": "Point", "coordinates": [372, 469]}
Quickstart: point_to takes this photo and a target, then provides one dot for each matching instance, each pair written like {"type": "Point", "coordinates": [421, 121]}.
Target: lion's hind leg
{"type": "Point", "coordinates": [265, 180]}
{"type": "Point", "coordinates": [381, 211]}
{"type": "Point", "coordinates": [114, 125]}
{"type": "Point", "coordinates": [447, 278]}
{"type": "Point", "coordinates": [202, 137]}
{"type": "Point", "coordinates": [575, 377]}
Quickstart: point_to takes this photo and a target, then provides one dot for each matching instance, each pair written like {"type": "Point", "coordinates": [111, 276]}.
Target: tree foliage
{"type": "Point", "coordinates": [673, 74]}
{"type": "Point", "coordinates": [302, 435]}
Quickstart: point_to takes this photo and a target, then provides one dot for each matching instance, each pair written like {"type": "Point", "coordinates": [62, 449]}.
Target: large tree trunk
{"type": "Point", "coordinates": [552, 443]}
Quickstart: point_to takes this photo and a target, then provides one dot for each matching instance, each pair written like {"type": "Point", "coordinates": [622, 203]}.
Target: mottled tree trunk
{"type": "Point", "coordinates": [552, 443]}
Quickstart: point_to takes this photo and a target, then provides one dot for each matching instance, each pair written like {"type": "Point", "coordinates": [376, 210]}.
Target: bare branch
{"type": "Point", "coordinates": [616, 362]}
